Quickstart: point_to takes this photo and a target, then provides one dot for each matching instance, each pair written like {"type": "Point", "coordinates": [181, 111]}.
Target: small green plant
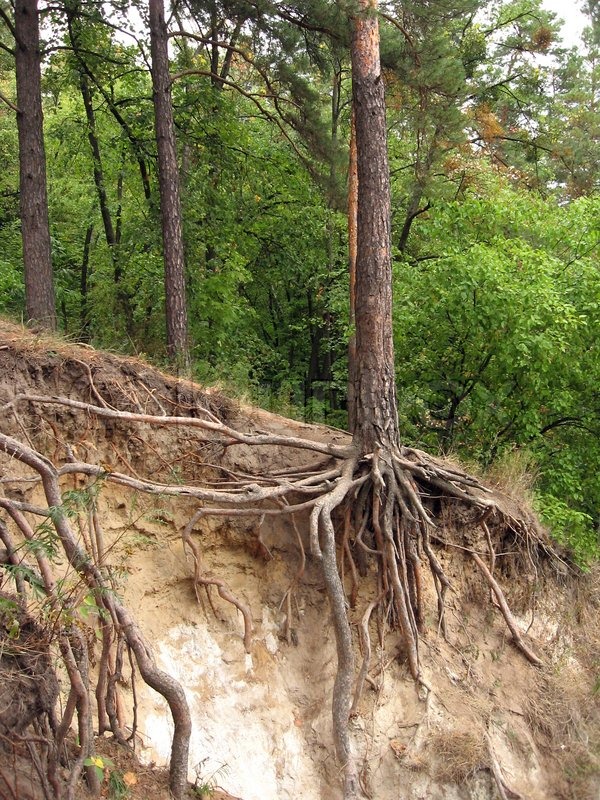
{"type": "Point", "coordinates": [203, 789]}
{"type": "Point", "coordinates": [162, 516]}
{"type": "Point", "coordinates": [204, 786]}
{"type": "Point", "coordinates": [77, 500]}
{"type": "Point", "coordinates": [28, 574]}
{"type": "Point", "coordinates": [89, 610]}
{"type": "Point", "coordinates": [176, 475]}
{"type": "Point", "coordinates": [100, 764]}
{"type": "Point", "coordinates": [46, 539]}
{"type": "Point", "coordinates": [117, 785]}
{"type": "Point", "coordinates": [9, 610]}
{"type": "Point", "coordinates": [139, 541]}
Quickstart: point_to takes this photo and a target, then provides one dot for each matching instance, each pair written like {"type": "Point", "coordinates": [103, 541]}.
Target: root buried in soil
{"type": "Point", "coordinates": [374, 513]}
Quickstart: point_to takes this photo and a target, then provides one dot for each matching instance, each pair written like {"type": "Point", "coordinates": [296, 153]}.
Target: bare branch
{"type": "Point", "coordinates": [9, 103]}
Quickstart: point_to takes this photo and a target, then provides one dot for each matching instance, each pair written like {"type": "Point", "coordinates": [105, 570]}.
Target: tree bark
{"type": "Point", "coordinates": [375, 411]}
{"type": "Point", "coordinates": [99, 181]}
{"type": "Point", "coordinates": [352, 241]}
{"type": "Point", "coordinates": [168, 179]}
{"type": "Point", "coordinates": [84, 312]}
{"type": "Point", "coordinates": [35, 228]}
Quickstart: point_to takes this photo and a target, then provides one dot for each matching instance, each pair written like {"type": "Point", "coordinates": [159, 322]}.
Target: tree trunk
{"type": "Point", "coordinates": [112, 231]}
{"type": "Point", "coordinates": [84, 312]}
{"type": "Point", "coordinates": [375, 412]}
{"type": "Point", "coordinates": [352, 222]}
{"type": "Point", "coordinates": [35, 229]}
{"type": "Point", "coordinates": [99, 181]}
{"type": "Point", "coordinates": [168, 179]}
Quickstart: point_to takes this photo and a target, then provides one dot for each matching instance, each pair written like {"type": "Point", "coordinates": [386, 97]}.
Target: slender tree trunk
{"type": "Point", "coordinates": [73, 9]}
{"type": "Point", "coordinates": [35, 229]}
{"type": "Point", "coordinates": [112, 232]}
{"type": "Point", "coordinates": [99, 181]}
{"type": "Point", "coordinates": [170, 203]}
{"type": "Point", "coordinates": [214, 51]}
{"type": "Point", "coordinates": [352, 222]}
{"type": "Point", "coordinates": [84, 314]}
{"type": "Point", "coordinates": [375, 411]}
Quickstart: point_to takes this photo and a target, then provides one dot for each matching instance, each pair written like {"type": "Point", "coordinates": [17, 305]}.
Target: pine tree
{"type": "Point", "coordinates": [35, 229]}
{"type": "Point", "coordinates": [170, 204]}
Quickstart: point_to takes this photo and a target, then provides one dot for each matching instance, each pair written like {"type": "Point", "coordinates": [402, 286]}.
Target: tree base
{"type": "Point", "coordinates": [379, 514]}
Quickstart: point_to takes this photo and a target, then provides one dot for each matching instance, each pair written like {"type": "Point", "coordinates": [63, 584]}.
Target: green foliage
{"type": "Point", "coordinates": [497, 298]}
{"type": "Point", "coordinates": [571, 528]}
{"type": "Point", "coordinates": [88, 608]}
{"type": "Point", "coordinates": [9, 617]}
{"type": "Point", "coordinates": [497, 329]}
{"type": "Point", "coordinates": [26, 573]}
{"type": "Point", "coordinates": [117, 787]}
{"type": "Point", "coordinates": [99, 764]}
{"type": "Point", "coordinates": [12, 293]}
{"type": "Point", "coordinates": [46, 541]}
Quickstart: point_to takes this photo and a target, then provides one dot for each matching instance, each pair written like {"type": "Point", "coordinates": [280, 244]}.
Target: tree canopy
{"type": "Point", "coordinates": [492, 130]}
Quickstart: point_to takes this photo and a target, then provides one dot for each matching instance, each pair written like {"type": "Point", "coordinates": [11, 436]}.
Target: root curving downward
{"type": "Point", "coordinates": [389, 494]}
{"type": "Point", "coordinates": [389, 502]}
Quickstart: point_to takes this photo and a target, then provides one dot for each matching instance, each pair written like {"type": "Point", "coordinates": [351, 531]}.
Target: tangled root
{"type": "Point", "coordinates": [387, 501]}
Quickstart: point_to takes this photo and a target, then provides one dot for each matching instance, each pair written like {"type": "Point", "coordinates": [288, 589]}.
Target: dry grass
{"type": "Point", "coordinates": [564, 716]}
{"type": "Point", "coordinates": [457, 755]}
{"type": "Point", "coordinates": [38, 343]}
{"type": "Point", "coordinates": [554, 711]}
{"type": "Point", "coordinates": [514, 474]}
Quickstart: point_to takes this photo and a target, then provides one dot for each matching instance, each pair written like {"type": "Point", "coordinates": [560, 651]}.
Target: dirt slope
{"type": "Point", "coordinates": [262, 720]}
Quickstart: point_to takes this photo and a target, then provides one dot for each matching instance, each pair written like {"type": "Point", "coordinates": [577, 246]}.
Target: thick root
{"type": "Point", "coordinates": [386, 500]}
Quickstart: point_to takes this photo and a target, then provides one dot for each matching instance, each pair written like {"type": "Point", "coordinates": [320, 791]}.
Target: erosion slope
{"type": "Point", "coordinates": [492, 725]}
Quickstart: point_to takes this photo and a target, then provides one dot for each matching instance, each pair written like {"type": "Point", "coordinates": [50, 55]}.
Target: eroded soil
{"type": "Point", "coordinates": [262, 720]}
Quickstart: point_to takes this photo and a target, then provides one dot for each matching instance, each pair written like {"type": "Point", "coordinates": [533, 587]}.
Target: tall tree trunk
{"type": "Point", "coordinates": [99, 181]}
{"type": "Point", "coordinates": [35, 229]}
{"type": "Point", "coordinates": [75, 21]}
{"type": "Point", "coordinates": [168, 179]}
{"type": "Point", "coordinates": [375, 411]}
{"type": "Point", "coordinates": [112, 232]}
{"type": "Point", "coordinates": [352, 222]}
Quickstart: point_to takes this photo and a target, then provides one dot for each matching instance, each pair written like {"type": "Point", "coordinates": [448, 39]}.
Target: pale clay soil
{"type": "Point", "coordinates": [262, 720]}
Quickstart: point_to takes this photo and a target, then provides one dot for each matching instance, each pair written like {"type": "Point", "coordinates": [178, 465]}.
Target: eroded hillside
{"type": "Point", "coordinates": [240, 617]}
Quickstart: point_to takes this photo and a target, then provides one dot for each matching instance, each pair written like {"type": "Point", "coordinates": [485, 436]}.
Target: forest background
{"type": "Point", "coordinates": [494, 146]}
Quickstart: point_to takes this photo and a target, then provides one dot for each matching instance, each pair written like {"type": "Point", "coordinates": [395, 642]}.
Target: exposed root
{"type": "Point", "coordinates": [290, 591]}
{"type": "Point", "coordinates": [348, 558]}
{"type": "Point", "coordinates": [388, 502]}
{"type": "Point", "coordinates": [344, 679]}
{"type": "Point", "coordinates": [504, 791]}
{"type": "Point", "coordinates": [506, 612]}
{"type": "Point", "coordinates": [210, 423]}
{"type": "Point", "coordinates": [200, 579]}
{"type": "Point", "coordinates": [365, 644]}
{"type": "Point", "coordinates": [77, 669]}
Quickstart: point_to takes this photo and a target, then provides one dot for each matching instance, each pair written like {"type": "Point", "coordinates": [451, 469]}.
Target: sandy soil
{"type": "Point", "coordinates": [262, 721]}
